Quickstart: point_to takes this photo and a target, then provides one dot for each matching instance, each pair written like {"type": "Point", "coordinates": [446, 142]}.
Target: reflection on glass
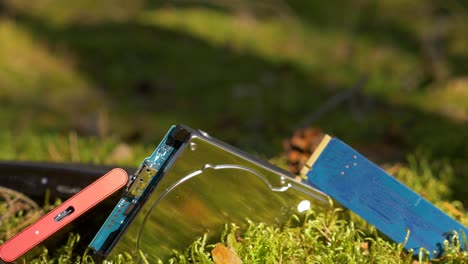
{"type": "Point", "coordinates": [303, 206]}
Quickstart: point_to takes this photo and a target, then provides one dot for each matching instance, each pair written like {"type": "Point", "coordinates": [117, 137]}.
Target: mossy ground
{"type": "Point", "coordinates": [332, 235]}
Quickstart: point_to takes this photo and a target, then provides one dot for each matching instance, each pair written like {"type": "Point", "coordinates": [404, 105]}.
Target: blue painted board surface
{"type": "Point", "coordinates": [380, 199]}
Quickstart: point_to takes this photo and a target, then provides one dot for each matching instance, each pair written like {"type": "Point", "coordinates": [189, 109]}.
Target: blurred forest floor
{"type": "Point", "coordinates": [101, 82]}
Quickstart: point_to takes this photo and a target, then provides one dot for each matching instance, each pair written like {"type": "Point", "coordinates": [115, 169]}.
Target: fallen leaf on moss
{"type": "Point", "coordinates": [224, 255]}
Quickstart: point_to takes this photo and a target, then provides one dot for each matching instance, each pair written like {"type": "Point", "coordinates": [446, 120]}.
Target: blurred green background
{"type": "Point", "coordinates": [101, 82]}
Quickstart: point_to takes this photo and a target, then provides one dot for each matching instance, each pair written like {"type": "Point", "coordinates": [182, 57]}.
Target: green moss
{"type": "Point", "coordinates": [322, 236]}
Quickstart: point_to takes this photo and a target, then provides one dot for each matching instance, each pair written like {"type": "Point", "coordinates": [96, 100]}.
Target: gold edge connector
{"type": "Point", "coordinates": [313, 158]}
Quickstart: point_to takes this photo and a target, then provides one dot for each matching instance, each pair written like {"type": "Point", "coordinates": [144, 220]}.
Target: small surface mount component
{"type": "Point", "coordinates": [146, 176]}
{"type": "Point", "coordinates": [141, 181]}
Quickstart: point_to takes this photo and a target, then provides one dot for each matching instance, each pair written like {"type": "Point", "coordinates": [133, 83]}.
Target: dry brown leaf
{"type": "Point", "coordinates": [452, 209]}
{"type": "Point", "coordinates": [364, 246]}
{"type": "Point", "coordinates": [300, 146]}
{"type": "Point", "coordinates": [223, 255]}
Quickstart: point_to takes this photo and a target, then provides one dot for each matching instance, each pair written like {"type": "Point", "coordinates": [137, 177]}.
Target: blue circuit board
{"type": "Point", "coordinates": [145, 177]}
{"type": "Point", "coordinates": [381, 200]}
